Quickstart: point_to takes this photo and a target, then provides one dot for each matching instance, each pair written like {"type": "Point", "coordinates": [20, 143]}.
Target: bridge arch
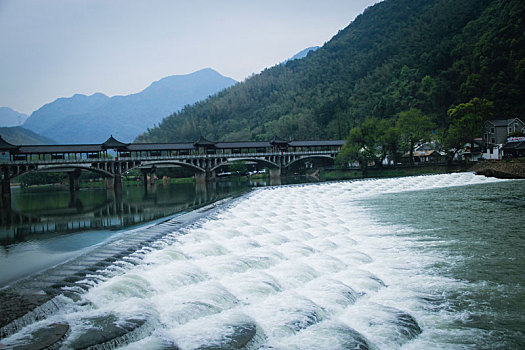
{"type": "Point", "coordinates": [62, 169]}
{"type": "Point", "coordinates": [150, 164]}
{"type": "Point", "coordinates": [263, 161]}
{"type": "Point", "coordinates": [303, 158]}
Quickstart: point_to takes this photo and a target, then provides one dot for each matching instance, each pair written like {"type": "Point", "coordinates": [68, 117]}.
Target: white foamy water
{"type": "Point", "coordinates": [298, 267]}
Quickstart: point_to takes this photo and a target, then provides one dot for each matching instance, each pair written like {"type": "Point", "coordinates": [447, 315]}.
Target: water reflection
{"type": "Point", "coordinates": [39, 214]}
{"type": "Point", "coordinates": [46, 226]}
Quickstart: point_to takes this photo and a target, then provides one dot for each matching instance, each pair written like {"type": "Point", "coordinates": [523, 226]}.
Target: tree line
{"type": "Point", "coordinates": [378, 139]}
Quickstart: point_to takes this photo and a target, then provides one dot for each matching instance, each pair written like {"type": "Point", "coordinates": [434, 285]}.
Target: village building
{"type": "Point", "coordinates": [495, 135]}
{"type": "Point", "coordinates": [426, 153]}
{"type": "Point", "coordinates": [514, 148]}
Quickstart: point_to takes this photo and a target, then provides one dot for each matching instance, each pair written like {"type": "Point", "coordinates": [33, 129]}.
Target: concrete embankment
{"type": "Point", "coordinates": [500, 169]}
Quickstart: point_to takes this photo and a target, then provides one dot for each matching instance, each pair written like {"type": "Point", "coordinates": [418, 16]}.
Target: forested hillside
{"type": "Point", "coordinates": [427, 55]}
{"type": "Point", "coordinates": [18, 135]}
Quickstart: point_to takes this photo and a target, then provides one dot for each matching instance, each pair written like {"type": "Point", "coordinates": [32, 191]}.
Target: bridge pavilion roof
{"type": "Point", "coordinates": [316, 143]}
{"type": "Point", "coordinates": [137, 147]}
{"type": "Point", "coordinates": [60, 149]}
{"type": "Point", "coordinates": [278, 141]}
{"type": "Point", "coordinates": [6, 146]}
{"type": "Point", "coordinates": [202, 142]}
{"type": "Point", "coordinates": [242, 144]}
{"type": "Point", "coordinates": [261, 144]}
{"type": "Point", "coordinates": [111, 142]}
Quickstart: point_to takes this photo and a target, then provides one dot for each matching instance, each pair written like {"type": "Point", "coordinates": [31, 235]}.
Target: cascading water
{"type": "Point", "coordinates": [296, 267]}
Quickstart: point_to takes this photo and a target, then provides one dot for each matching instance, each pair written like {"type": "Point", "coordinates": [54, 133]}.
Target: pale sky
{"type": "Point", "coordinates": [56, 48]}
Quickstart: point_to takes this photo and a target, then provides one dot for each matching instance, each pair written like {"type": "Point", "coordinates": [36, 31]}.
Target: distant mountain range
{"type": "Point", "coordinates": [303, 53]}
{"type": "Point", "coordinates": [10, 117]}
{"type": "Point", "coordinates": [92, 119]}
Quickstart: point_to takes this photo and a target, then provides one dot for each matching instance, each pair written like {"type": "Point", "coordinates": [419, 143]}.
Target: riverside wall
{"type": "Point", "coordinates": [500, 169]}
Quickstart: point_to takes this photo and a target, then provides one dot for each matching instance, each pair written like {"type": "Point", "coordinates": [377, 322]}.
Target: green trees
{"type": "Point", "coordinates": [359, 146]}
{"type": "Point", "coordinates": [413, 126]}
{"type": "Point", "coordinates": [390, 143]}
{"type": "Point", "coordinates": [371, 142]}
{"type": "Point", "coordinates": [376, 139]}
{"type": "Point", "coordinates": [489, 57]}
{"type": "Point", "coordinates": [238, 167]}
{"type": "Point", "coordinates": [39, 178]}
{"type": "Point", "coordinates": [466, 122]}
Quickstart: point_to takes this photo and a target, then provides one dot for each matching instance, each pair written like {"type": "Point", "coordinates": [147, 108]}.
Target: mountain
{"type": "Point", "coordinates": [20, 136]}
{"type": "Point", "coordinates": [10, 117]}
{"type": "Point", "coordinates": [303, 53]}
{"type": "Point", "coordinates": [397, 55]}
{"type": "Point", "coordinates": [92, 119]}
{"type": "Point", "coordinates": [52, 114]}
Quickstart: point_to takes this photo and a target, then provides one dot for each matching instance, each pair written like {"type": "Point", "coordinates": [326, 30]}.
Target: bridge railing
{"type": "Point", "coordinates": [166, 157]}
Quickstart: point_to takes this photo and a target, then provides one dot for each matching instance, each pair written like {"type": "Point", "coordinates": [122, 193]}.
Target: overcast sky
{"type": "Point", "coordinates": [56, 48]}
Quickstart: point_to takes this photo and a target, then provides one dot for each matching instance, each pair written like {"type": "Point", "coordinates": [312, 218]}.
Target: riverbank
{"type": "Point", "coordinates": [502, 169]}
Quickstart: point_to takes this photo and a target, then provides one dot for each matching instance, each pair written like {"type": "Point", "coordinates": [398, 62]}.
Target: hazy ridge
{"type": "Point", "coordinates": [92, 119]}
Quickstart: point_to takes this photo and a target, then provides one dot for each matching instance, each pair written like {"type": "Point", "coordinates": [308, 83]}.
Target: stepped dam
{"type": "Point", "coordinates": [418, 262]}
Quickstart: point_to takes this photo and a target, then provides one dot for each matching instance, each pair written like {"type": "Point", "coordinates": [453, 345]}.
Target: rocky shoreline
{"type": "Point", "coordinates": [500, 169]}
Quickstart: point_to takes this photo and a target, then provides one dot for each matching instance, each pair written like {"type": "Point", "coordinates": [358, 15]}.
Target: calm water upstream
{"type": "Point", "coordinates": [429, 262]}
{"type": "Point", "coordinates": [46, 226]}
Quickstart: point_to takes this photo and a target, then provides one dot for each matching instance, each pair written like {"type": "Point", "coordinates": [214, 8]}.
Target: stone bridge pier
{"type": "Point", "coordinates": [74, 180]}
{"type": "Point", "coordinates": [200, 178]}
{"type": "Point", "coordinates": [5, 187]}
{"type": "Point", "coordinates": [6, 194]}
{"type": "Point", "coordinates": [206, 176]}
{"type": "Point", "coordinates": [276, 173]}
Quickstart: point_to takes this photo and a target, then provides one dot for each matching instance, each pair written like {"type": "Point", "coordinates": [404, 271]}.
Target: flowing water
{"type": "Point", "coordinates": [429, 262]}
{"type": "Point", "coordinates": [47, 226]}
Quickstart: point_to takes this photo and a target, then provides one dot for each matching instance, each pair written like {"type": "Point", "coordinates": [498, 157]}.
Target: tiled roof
{"type": "Point", "coordinates": [243, 144]}
{"type": "Point", "coordinates": [137, 147]}
{"type": "Point", "coordinates": [60, 149]}
{"type": "Point", "coordinates": [203, 142]}
{"type": "Point", "coordinates": [112, 143]}
{"type": "Point", "coordinates": [316, 143]}
{"type": "Point", "coordinates": [6, 146]}
{"type": "Point", "coordinates": [502, 122]}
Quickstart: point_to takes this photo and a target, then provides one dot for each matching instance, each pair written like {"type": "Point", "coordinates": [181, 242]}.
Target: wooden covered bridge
{"type": "Point", "coordinates": [113, 158]}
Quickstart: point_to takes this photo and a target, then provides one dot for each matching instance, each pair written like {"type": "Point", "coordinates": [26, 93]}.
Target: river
{"type": "Point", "coordinates": [427, 262]}
{"type": "Point", "coordinates": [47, 225]}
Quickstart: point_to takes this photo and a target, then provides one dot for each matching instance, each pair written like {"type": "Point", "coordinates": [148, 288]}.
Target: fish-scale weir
{"type": "Point", "coordinates": [41, 295]}
{"type": "Point", "coordinates": [299, 267]}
